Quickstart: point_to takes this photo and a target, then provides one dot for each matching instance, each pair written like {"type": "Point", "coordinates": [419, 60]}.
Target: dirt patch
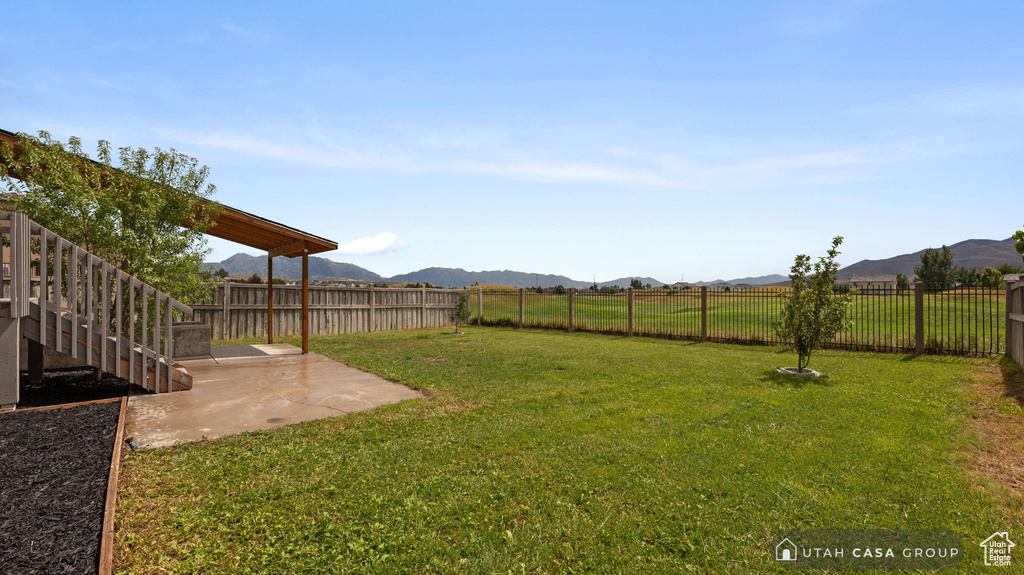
{"type": "Point", "coordinates": [1001, 456]}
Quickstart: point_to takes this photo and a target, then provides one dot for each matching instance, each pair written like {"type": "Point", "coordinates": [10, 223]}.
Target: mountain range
{"type": "Point", "coordinates": [968, 254]}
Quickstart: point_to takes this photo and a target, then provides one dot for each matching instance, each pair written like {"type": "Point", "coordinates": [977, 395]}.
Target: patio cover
{"type": "Point", "coordinates": [266, 235]}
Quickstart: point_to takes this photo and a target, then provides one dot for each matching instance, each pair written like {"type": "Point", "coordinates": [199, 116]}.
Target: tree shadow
{"type": "Point", "coordinates": [794, 381]}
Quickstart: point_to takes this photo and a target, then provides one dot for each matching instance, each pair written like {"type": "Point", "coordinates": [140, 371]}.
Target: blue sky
{"type": "Point", "coordinates": [674, 139]}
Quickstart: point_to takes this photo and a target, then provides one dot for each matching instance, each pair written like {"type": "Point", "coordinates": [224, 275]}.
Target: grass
{"type": "Point", "coordinates": [964, 320]}
{"type": "Point", "coordinates": [546, 452]}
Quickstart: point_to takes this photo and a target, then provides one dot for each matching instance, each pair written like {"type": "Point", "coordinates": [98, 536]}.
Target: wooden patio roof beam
{"type": "Point", "coordinates": [289, 250]}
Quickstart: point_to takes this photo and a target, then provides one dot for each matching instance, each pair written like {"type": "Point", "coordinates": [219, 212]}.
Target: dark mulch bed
{"type": "Point", "coordinates": [72, 385]}
{"type": "Point", "coordinates": [54, 466]}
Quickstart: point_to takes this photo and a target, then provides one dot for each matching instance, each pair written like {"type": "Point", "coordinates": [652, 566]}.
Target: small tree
{"type": "Point", "coordinates": [902, 283]}
{"type": "Point", "coordinates": [991, 278]}
{"type": "Point", "coordinates": [936, 270]}
{"type": "Point", "coordinates": [460, 314]}
{"type": "Point", "coordinates": [812, 314]}
{"type": "Point", "coordinates": [254, 279]}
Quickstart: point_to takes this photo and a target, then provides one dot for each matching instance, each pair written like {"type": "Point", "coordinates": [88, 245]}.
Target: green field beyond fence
{"type": "Point", "coordinates": [966, 321]}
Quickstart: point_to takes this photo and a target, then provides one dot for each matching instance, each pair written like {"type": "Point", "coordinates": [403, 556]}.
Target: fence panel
{"type": "Point", "coordinates": [963, 320]}
{"type": "Point", "coordinates": [237, 310]}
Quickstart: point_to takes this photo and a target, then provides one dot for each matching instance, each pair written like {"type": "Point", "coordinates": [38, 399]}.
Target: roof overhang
{"type": "Point", "coordinates": [272, 237]}
{"type": "Point", "coordinates": [248, 229]}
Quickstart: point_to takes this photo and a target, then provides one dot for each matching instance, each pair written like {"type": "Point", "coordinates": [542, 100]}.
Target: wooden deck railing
{"type": "Point", "coordinates": [85, 307]}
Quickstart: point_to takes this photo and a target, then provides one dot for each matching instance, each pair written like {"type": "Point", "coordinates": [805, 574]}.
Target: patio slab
{"type": "Point", "coordinates": [250, 387]}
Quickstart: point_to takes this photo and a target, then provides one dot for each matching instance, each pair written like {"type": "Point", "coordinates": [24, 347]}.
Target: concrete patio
{"type": "Point", "coordinates": [250, 387]}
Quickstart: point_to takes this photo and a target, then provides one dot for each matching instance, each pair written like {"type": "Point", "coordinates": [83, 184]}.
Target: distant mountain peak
{"type": "Point", "coordinates": [969, 254]}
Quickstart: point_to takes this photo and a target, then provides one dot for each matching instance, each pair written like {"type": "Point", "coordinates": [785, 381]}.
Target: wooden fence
{"type": "Point", "coordinates": [1015, 320]}
{"type": "Point", "coordinates": [240, 310]}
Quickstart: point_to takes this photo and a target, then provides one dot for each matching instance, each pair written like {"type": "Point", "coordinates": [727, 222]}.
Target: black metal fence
{"type": "Point", "coordinates": [963, 321]}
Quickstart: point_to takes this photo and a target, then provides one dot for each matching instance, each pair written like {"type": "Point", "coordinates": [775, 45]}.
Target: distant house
{"type": "Point", "coordinates": [682, 285]}
{"type": "Point", "coordinates": [867, 284]}
{"type": "Point", "coordinates": [722, 287]}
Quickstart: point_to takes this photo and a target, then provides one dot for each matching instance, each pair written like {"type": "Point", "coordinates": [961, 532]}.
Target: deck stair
{"type": "Point", "coordinates": [60, 296]}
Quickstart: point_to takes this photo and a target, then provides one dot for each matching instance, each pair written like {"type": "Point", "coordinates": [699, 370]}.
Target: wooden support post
{"type": "Point", "coordinates": [58, 288]}
{"type": "Point", "coordinates": [918, 318]}
{"type": "Point", "coordinates": [305, 300]}
{"type": "Point", "coordinates": [371, 322]}
{"type": "Point", "coordinates": [10, 352]}
{"type": "Point", "coordinates": [522, 305]}
{"type": "Point", "coordinates": [270, 298]}
{"type": "Point", "coordinates": [479, 306]}
{"type": "Point", "coordinates": [169, 343]}
{"type": "Point", "coordinates": [43, 289]}
{"type": "Point", "coordinates": [629, 300]}
{"type": "Point", "coordinates": [423, 306]}
{"type": "Point", "coordinates": [703, 313]}
{"type": "Point", "coordinates": [225, 324]}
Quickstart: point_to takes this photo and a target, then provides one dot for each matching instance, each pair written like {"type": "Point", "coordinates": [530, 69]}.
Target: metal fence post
{"type": "Point", "coordinates": [572, 311]}
{"type": "Point", "coordinates": [918, 318]}
{"type": "Point", "coordinates": [629, 299]}
{"type": "Point", "coordinates": [522, 305]}
{"type": "Point", "coordinates": [703, 313]}
{"type": "Point", "coordinates": [479, 306]}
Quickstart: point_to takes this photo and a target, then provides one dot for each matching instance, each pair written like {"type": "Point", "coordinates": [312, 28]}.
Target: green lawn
{"type": "Point", "coordinates": [962, 321]}
{"type": "Point", "coordinates": [549, 452]}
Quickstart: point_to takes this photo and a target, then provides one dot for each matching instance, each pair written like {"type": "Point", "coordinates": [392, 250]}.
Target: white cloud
{"type": "Point", "coordinates": [381, 243]}
{"type": "Point", "coordinates": [820, 17]}
{"type": "Point", "coordinates": [621, 166]}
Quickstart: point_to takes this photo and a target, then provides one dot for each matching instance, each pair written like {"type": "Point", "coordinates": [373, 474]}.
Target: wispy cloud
{"type": "Point", "coordinates": [243, 33]}
{"type": "Point", "coordinates": [379, 244]}
{"type": "Point", "coordinates": [619, 166]}
{"type": "Point", "coordinates": [972, 100]}
{"type": "Point", "coordinates": [564, 172]}
{"type": "Point", "coordinates": [1001, 102]}
{"type": "Point", "coordinates": [327, 156]}
{"type": "Point", "coordinates": [821, 17]}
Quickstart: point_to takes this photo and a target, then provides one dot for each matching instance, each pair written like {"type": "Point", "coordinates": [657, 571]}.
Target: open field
{"type": "Point", "coordinates": [546, 452]}
{"type": "Point", "coordinates": [963, 321]}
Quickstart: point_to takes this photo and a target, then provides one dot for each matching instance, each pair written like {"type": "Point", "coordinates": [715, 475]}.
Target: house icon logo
{"type": "Point", "coordinates": [785, 550]}
{"type": "Point", "coordinates": [997, 549]}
